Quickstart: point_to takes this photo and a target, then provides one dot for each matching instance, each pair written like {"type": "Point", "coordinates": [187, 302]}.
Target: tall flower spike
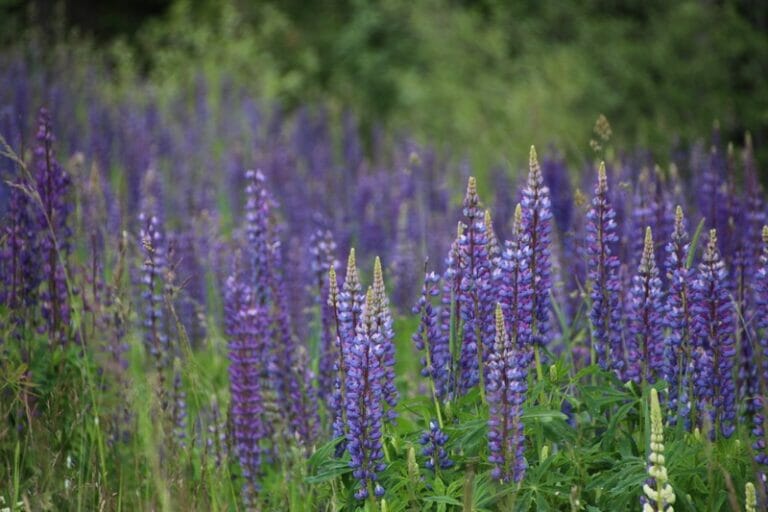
{"type": "Point", "coordinates": [431, 340]}
{"type": "Point", "coordinates": [713, 331]}
{"type": "Point", "coordinates": [494, 247]}
{"type": "Point", "coordinates": [153, 272]}
{"type": "Point", "coordinates": [537, 220]}
{"type": "Point", "coordinates": [322, 258]}
{"type": "Point", "coordinates": [363, 404]}
{"type": "Point", "coordinates": [603, 266]}
{"type": "Point", "coordinates": [385, 337]}
{"type": "Point", "coordinates": [760, 419]}
{"type": "Point", "coordinates": [450, 307]}
{"type": "Point", "coordinates": [679, 344]}
{"type": "Point", "coordinates": [476, 296]}
{"type": "Point", "coordinates": [660, 497]}
{"type": "Point", "coordinates": [514, 282]}
{"type": "Point", "coordinates": [52, 186]}
{"type": "Point", "coordinates": [247, 328]}
{"type": "Point", "coordinates": [178, 406]}
{"type": "Point", "coordinates": [506, 390]}
{"type": "Point", "coordinates": [645, 343]}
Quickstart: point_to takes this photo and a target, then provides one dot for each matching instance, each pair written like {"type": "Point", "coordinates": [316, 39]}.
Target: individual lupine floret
{"type": "Point", "coordinates": [152, 278]}
{"type": "Point", "coordinates": [363, 404]}
{"type": "Point", "coordinates": [645, 343]}
{"type": "Point", "coordinates": [433, 441]}
{"type": "Point", "coordinates": [760, 419]}
{"type": "Point", "coordinates": [475, 294]}
{"type": "Point", "coordinates": [678, 321]}
{"type": "Point", "coordinates": [603, 266]}
{"type": "Point", "coordinates": [506, 391]}
{"type": "Point", "coordinates": [430, 339]}
{"type": "Point", "coordinates": [386, 339]}
{"type": "Point", "coordinates": [247, 328]}
{"type": "Point", "coordinates": [713, 331]}
{"type": "Point", "coordinates": [659, 493]}
{"type": "Point", "coordinates": [514, 282]}
{"type": "Point", "coordinates": [537, 223]}
{"type": "Point", "coordinates": [52, 187]}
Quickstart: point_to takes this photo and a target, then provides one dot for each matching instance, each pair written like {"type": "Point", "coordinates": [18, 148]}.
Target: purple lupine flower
{"type": "Point", "coordinates": [152, 278]}
{"type": "Point", "coordinates": [433, 441]}
{"type": "Point", "coordinates": [713, 334]}
{"type": "Point", "coordinates": [760, 419]}
{"type": "Point", "coordinates": [178, 406]}
{"type": "Point", "coordinates": [247, 328]}
{"type": "Point", "coordinates": [678, 320]}
{"type": "Point", "coordinates": [450, 301]}
{"type": "Point", "coordinates": [217, 435]}
{"type": "Point", "coordinates": [558, 181]}
{"type": "Point", "coordinates": [506, 390]}
{"type": "Point", "coordinates": [514, 282]}
{"type": "Point", "coordinates": [537, 220]}
{"type": "Point", "coordinates": [385, 338]}
{"type": "Point", "coordinates": [19, 267]}
{"type": "Point", "coordinates": [475, 295]}
{"type": "Point", "coordinates": [604, 314]}
{"type": "Point", "coordinates": [322, 251]}
{"type": "Point", "coordinates": [645, 343]}
{"type": "Point", "coordinates": [52, 186]}
{"type": "Point", "coordinates": [430, 339]}
{"type": "Point", "coordinates": [363, 404]}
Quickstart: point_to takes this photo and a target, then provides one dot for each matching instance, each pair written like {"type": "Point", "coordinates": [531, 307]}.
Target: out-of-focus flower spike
{"type": "Point", "coordinates": [659, 494]}
{"type": "Point", "coordinates": [178, 406]}
{"type": "Point", "coordinates": [760, 419]}
{"type": "Point", "coordinates": [645, 343]}
{"type": "Point", "coordinates": [750, 497]}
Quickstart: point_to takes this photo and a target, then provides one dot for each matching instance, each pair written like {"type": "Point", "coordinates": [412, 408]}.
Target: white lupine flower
{"type": "Point", "coordinates": [751, 501]}
{"type": "Point", "coordinates": [662, 494]}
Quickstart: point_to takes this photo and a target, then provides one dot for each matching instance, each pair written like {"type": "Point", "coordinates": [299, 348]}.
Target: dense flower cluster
{"type": "Point", "coordinates": [433, 441]}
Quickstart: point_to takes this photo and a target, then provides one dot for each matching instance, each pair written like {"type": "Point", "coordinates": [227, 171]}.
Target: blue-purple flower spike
{"type": "Point", "coordinates": [603, 265]}
{"type": "Point", "coordinates": [385, 337]}
{"type": "Point", "coordinates": [645, 341]}
{"type": "Point", "coordinates": [713, 331]}
{"type": "Point", "coordinates": [760, 426]}
{"type": "Point", "coordinates": [475, 295]}
{"type": "Point", "coordinates": [679, 344]}
{"type": "Point", "coordinates": [431, 340]}
{"type": "Point", "coordinates": [537, 223]}
{"type": "Point", "coordinates": [514, 282]}
{"type": "Point", "coordinates": [363, 404]}
{"type": "Point", "coordinates": [52, 186]}
{"type": "Point", "coordinates": [506, 390]}
{"type": "Point", "coordinates": [247, 329]}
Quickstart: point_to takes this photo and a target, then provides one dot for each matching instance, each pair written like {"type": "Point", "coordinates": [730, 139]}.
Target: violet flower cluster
{"type": "Point", "coordinates": [433, 441]}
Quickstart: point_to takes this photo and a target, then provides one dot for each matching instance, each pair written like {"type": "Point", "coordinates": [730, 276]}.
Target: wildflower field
{"type": "Point", "coordinates": [211, 301]}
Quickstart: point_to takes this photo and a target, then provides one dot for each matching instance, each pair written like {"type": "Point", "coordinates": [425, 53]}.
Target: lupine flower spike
{"type": "Point", "coordinates": [678, 321]}
{"type": "Point", "coordinates": [514, 284]}
{"type": "Point", "coordinates": [713, 329]}
{"type": "Point", "coordinates": [659, 493]}
{"type": "Point", "coordinates": [385, 337]}
{"type": "Point", "coordinates": [750, 498]}
{"type": "Point", "coordinates": [431, 340]}
{"type": "Point", "coordinates": [645, 343]}
{"type": "Point", "coordinates": [604, 315]}
{"type": "Point", "coordinates": [760, 419]}
{"type": "Point", "coordinates": [363, 404]}
{"type": "Point", "coordinates": [537, 223]}
{"type": "Point", "coordinates": [506, 389]}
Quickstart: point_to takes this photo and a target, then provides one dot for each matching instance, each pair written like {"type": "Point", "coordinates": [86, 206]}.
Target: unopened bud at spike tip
{"type": "Point", "coordinates": [765, 234]}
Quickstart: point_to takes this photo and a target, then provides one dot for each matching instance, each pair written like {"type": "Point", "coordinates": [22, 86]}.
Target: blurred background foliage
{"type": "Point", "coordinates": [482, 79]}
